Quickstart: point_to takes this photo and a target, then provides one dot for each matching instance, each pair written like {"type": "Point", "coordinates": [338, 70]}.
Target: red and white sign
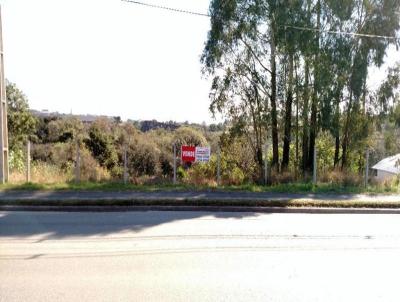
{"type": "Point", "coordinates": [188, 153]}
{"type": "Point", "coordinates": [195, 154]}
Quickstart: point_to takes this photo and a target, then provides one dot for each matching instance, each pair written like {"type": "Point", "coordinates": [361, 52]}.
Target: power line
{"type": "Point", "coordinates": [340, 32]}
{"type": "Point", "coordinates": [168, 8]}
{"type": "Point", "coordinates": [177, 10]}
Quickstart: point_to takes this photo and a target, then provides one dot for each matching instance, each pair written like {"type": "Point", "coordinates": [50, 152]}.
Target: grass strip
{"type": "Point", "coordinates": [281, 188]}
{"type": "Point", "coordinates": [209, 202]}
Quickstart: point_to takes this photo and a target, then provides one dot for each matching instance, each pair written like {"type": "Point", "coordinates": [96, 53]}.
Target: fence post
{"type": "Point", "coordinates": [366, 168]}
{"type": "Point", "coordinates": [125, 165]}
{"type": "Point", "coordinates": [266, 165]}
{"type": "Point", "coordinates": [78, 164]}
{"type": "Point", "coordinates": [219, 166]}
{"type": "Point", "coordinates": [315, 165]}
{"type": "Point", "coordinates": [28, 161]}
{"type": "Point", "coordinates": [174, 163]}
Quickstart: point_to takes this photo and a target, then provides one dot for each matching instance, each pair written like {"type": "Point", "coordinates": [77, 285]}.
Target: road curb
{"type": "Point", "coordinates": [304, 210]}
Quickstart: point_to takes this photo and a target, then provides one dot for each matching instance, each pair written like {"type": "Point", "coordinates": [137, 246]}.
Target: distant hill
{"type": "Point", "coordinates": [142, 125]}
{"type": "Point", "coordinates": [86, 118]}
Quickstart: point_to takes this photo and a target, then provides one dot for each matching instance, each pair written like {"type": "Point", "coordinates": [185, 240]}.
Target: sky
{"type": "Point", "coordinates": [108, 57]}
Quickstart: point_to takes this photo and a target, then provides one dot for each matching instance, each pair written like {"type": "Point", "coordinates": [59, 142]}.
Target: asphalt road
{"type": "Point", "coordinates": [198, 256]}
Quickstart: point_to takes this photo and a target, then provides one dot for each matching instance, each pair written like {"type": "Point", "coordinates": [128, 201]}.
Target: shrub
{"type": "Point", "coordinates": [188, 136]}
{"type": "Point", "coordinates": [143, 158]}
{"type": "Point", "coordinates": [235, 177]}
{"type": "Point", "coordinates": [17, 160]}
{"type": "Point", "coordinates": [91, 169]}
{"type": "Point", "coordinates": [101, 146]}
{"type": "Point", "coordinates": [201, 174]}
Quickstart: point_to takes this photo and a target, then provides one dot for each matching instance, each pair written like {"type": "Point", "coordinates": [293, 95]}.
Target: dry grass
{"type": "Point", "coordinates": [344, 178]}
{"type": "Point", "coordinates": [282, 177]}
{"type": "Point", "coordinates": [42, 173]}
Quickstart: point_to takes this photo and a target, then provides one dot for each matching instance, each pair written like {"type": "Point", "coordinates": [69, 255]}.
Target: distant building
{"type": "Point", "coordinates": [387, 168]}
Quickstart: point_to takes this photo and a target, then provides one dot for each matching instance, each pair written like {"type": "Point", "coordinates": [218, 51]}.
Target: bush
{"type": "Point", "coordinates": [101, 146]}
{"type": "Point", "coordinates": [42, 152]}
{"type": "Point", "coordinates": [235, 177]}
{"type": "Point", "coordinates": [200, 174]}
{"type": "Point", "coordinates": [17, 160]}
{"type": "Point", "coordinates": [143, 158]}
{"type": "Point", "coordinates": [188, 136]}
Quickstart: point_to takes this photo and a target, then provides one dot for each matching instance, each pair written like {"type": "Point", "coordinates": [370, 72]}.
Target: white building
{"type": "Point", "coordinates": [387, 168]}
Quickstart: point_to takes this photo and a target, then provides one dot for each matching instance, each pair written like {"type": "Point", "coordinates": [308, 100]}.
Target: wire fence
{"type": "Point", "coordinates": [57, 163]}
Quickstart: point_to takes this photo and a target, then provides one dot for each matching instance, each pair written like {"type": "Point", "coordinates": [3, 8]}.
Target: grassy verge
{"type": "Point", "coordinates": [116, 186]}
{"type": "Point", "coordinates": [208, 202]}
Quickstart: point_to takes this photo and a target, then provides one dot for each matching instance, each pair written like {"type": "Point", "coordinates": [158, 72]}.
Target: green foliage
{"type": "Point", "coordinates": [64, 130]}
{"type": "Point", "coordinates": [247, 41]}
{"type": "Point", "coordinates": [188, 136]}
{"type": "Point", "coordinates": [102, 148]}
{"type": "Point", "coordinates": [163, 140]}
{"type": "Point", "coordinates": [21, 124]}
{"type": "Point", "coordinates": [326, 150]}
{"type": "Point", "coordinates": [181, 173]}
{"type": "Point", "coordinates": [143, 158]}
{"type": "Point", "coordinates": [17, 160]}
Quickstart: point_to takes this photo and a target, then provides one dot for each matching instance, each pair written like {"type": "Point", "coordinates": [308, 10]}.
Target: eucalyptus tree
{"type": "Point", "coordinates": [244, 75]}
{"type": "Point", "coordinates": [375, 18]}
{"type": "Point", "coordinates": [241, 53]}
{"type": "Point", "coordinates": [265, 56]}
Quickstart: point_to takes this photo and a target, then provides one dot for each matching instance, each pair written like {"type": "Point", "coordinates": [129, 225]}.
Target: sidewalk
{"type": "Point", "coordinates": [180, 200]}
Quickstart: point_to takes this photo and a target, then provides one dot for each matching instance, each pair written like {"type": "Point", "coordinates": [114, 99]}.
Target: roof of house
{"type": "Point", "coordinates": [389, 164]}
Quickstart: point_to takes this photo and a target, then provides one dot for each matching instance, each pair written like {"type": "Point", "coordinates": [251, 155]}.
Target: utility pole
{"type": "Point", "coordinates": [4, 170]}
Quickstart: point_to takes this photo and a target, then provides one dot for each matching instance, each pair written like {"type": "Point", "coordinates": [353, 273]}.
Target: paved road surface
{"type": "Point", "coordinates": [183, 195]}
{"type": "Point", "coordinates": [198, 256]}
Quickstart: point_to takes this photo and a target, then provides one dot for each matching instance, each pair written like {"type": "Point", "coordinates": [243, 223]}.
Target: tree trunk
{"type": "Point", "coordinates": [274, 114]}
{"type": "Point", "coordinates": [337, 147]}
{"type": "Point", "coordinates": [314, 108]}
{"type": "Point", "coordinates": [345, 140]}
{"type": "Point", "coordinates": [305, 118]}
{"type": "Point", "coordinates": [305, 113]}
{"type": "Point", "coordinates": [336, 130]}
{"type": "Point", "coordinates": [297, 168]}
{"type": "Point", "coordinates": [288, 117]}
